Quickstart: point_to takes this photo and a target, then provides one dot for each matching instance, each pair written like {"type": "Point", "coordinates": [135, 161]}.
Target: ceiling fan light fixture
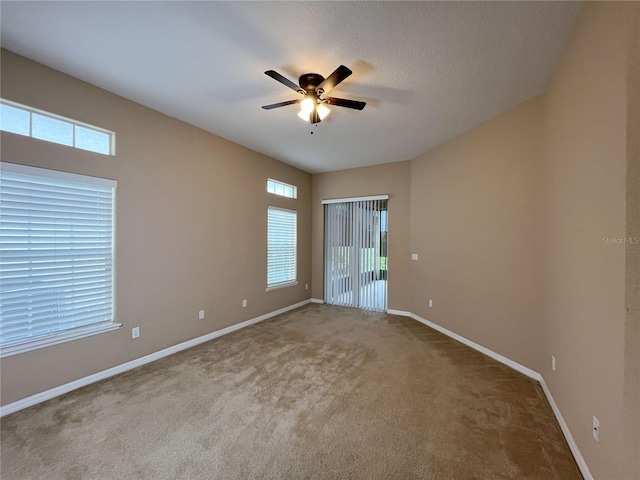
{"type": "Point", "coordinates": [307, 105]}
{"type": "Point", "coordinates": [322, 111]}
{"type": "Point", "coordinates": [304, 115]}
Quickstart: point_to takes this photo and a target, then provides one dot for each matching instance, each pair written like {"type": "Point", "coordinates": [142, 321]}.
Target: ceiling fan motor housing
{"type": "Point", "coordinates": [310, 81]}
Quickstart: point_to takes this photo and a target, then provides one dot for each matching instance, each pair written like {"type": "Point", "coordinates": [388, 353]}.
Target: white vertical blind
{"type": "Point", "coordinates": [56, 253]}
{"type": "Point", "coordinates": [281, 247]}
{"type": "Point", "coordinates": [355, 275]}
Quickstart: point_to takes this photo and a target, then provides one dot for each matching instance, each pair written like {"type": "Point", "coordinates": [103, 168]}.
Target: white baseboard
{"type": "Point", "coordinates": [316, 300]}
{"type": "Point", "coordinates": [402, 313]}
{"type": "Point", "coordinates": [582, 465]}
{"type": "Point", "coordinates": [490, 353]}
{"type": "Point", "coordinates": [138, 362]}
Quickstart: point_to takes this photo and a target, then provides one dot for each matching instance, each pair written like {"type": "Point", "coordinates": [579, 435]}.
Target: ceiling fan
{"type": "Point", "coordinates": [313, 86]}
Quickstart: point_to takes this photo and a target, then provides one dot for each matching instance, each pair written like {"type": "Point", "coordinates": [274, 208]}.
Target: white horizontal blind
{"type": "Point", "coordinates": [355, 272]}
{"type": "Point", "coordinates": [56, 253]}
{"type": "Point", "coordinates": [281, 247]}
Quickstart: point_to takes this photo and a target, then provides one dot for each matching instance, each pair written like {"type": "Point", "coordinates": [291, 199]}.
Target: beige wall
{"type": "Point", "coordinates": [632, 281]}
{"type": "Point", "coordinates": [392, 179]}
{"type": "Point", "coordinates": [475, 228]}
{"type": "Point", "coordinates": [191, 226]}
{"type": "Point", "coordinates": [585, 183]}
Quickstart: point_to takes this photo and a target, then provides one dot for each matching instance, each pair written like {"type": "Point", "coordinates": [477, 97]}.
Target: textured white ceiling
{"type": "Point", "coordinates": [427, 70]}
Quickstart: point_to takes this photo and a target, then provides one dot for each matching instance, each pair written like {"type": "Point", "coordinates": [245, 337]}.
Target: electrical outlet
{"type": "Point", "coordinates": [553, 363]}
{"type": "Point", "coordinates": [200, 314]}
{"type": "Point", "coordinates": [430, 303]}
{"type": "Point", "coordinates": [596, 429]}
{"type": "Point", "coordinates": [414, 256]}
{"type": "Point", "coordinates": [135, 332]}
{"type": "Point", "coordinates": [306, 286]}
{"type": "Point", "coordinates": [244, 303]}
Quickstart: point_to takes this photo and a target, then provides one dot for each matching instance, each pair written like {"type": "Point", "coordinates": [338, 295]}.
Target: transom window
{"type": "Point", "coordinates": [282, 189]}
{"type": "Point", "coordinates": [22, 120]}
{"type": "Point", "coordinates": [56, 257]}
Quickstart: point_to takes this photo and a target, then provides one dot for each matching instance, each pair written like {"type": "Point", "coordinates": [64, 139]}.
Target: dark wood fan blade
{"type": "Point", "coordinates": [343, 102]}
{"type": "Point", "coordinates": [338, 75]}
{"type": "Point", "coordinates": [281, 104]}
{"type": "Point", "coordinates": [285, 81]}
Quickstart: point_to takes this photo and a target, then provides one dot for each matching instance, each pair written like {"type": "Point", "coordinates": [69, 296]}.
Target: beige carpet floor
{"type": "Point", "coordinates": [321, 392]}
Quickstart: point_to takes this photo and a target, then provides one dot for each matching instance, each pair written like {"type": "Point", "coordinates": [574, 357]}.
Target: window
{"type": "Point", "coordinates": [16, 118]}
{"type": "Point", "coordinates": [281, 248]}
{"type": "Point", "coordinates": [282, 189]}
{"type": "Point", "coordinates": [56, 257]}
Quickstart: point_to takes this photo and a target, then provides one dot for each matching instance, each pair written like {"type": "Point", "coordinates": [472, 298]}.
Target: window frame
{"type": "Point", "coordinates": [283, 184]}
{"type": "Point", "coordinates": [60, 118]}
{"type": "Point", "coordinates": [294, 281]}
{"type": "Point", "coordinates": [23, 345]}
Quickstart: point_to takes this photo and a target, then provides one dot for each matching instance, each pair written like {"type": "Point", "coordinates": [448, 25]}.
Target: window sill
{"type": "Point", "coordinates": [23, 346]}
{"type": "Point", "coordinates": [278, 286]}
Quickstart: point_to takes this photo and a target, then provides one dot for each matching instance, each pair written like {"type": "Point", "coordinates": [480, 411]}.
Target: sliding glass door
{"type": "Point", "coordinates": [356, 253]}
